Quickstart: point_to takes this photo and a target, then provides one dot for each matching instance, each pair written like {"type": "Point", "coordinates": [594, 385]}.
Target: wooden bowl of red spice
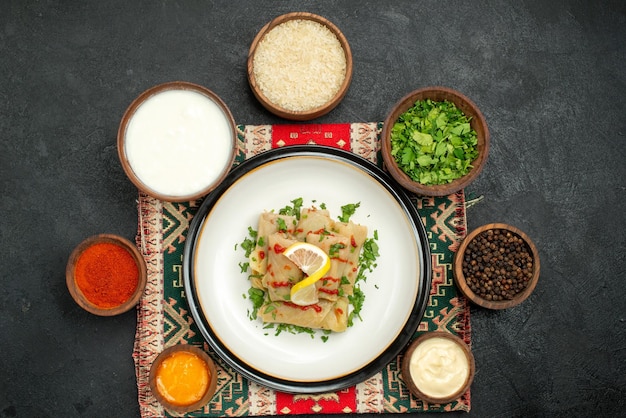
{"type": "Point", "coordinates": [183, 378]}
{"type": "Point", "coordinates": [106, 275]}
{"type": "Point", "coordinates": [496, 266]}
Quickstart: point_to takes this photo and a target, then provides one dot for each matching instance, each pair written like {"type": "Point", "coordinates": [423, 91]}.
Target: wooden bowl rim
{"type": "Point", "coordinates": [129, 113]}
{"type": "Point", "coordinates": [303, 115]}
{"type": "Point", "coordinates": [459, 278]}
{"type": "Point", "coordinates": [77, 293]}
{"type": "Point", "coordinates": [406, 366]}
{"type": "Point", "coordinates": [211, 388]}
{"type": "Point", "coordinates": [478, 123]}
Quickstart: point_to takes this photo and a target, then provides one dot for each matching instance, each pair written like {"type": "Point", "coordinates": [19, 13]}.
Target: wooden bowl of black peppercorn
{"type": "Point", "coordinates": [496, 266]}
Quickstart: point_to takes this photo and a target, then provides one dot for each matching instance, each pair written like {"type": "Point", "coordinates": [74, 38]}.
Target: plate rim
{"type": "Point", "coordinates": [394, 348]}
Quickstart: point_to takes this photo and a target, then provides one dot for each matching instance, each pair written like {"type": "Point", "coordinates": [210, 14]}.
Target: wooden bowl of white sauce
{"type": "Point", "coordinates": [177, 141]}
{"type": "Point", "coordinates": [438, 367]}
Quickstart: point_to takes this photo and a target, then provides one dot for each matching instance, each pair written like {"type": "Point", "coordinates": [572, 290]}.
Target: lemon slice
{"type": "Point", "coordinates": [315, 263]}
{"type": "Point", "coordinates": [304, 296]}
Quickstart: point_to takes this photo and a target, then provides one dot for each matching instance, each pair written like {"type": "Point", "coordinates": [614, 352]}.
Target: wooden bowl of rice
{"type": "Point", "coordinates": [299, 66]}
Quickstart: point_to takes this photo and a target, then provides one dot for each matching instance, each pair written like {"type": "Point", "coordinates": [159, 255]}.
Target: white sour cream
{"type": "Point", "coordinates": [439, 367]}
{"type": "Point", "coordinates": [178, 142]}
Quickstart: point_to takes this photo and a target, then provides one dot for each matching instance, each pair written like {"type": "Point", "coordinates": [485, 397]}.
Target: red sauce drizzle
{"type": "Point", "coordinates": [279, 249]}
{"type": "Point", "coordinates": [329, 291]}
{"type": "Point", "coordinates": [279, 284]}
{"type": "Point", "coordinates": [352, 241]}
{"type": "Point", "coordinates": [261, 254]}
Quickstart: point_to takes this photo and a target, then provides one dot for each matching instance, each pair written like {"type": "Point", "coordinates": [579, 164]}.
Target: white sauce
{"type": "Point", "coordinates": [439, 367]}
{"type": "Point", "coordinates": [178, 142]}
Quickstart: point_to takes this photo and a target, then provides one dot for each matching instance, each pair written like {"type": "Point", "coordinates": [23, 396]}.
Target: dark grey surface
{"type": "Point", "coordinates": [548, 75]}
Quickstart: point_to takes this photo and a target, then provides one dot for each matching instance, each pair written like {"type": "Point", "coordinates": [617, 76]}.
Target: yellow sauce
{"type": "Point", "coordinates": [439, 367]}
{"type": "Point", "coordinates": [182, 378]}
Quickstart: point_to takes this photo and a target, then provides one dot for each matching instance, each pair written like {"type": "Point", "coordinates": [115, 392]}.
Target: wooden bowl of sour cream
{"type": "Point", "coordinates": [299, 66]}
{"type": "Point", "coordinates": [177, 141]}
{"type": "Point", "coordinates": [438, 367]}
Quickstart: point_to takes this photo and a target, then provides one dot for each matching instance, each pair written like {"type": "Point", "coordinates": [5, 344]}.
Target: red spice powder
{"type": "Point", "coordinates": [107, 274]}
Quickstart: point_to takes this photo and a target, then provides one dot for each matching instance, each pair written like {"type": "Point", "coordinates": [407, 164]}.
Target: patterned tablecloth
{"type": "Point", "coordinates": [164, 318]}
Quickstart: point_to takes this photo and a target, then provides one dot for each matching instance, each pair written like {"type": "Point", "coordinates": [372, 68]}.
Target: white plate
{"type": "Point", "coordinates": [396, 291]}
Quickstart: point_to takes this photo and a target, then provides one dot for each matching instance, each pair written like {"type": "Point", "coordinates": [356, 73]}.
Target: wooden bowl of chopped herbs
{"type": "Point", "coordinates": [435, 141]}
{"type": "Point", "coordinates": [299, 66]}
{"type": "Point", "coordinates": [496, 266]}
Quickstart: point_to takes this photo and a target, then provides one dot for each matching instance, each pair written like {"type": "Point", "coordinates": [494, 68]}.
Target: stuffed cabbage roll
{"type": "Point", "coordinates": [325, 314]}
{"type": "Point", "coordinates": [313, 220]}
{"type": "Point", "coordinates": [268, 224]}
{"type": "Point", "coordinates": [281, 273]}
{"type": "Point", "coordinates": [337, 247]}
{"type": "Point", "coordinates": [357, 235]}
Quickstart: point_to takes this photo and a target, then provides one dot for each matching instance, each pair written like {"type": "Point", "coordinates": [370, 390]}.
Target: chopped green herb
{"type": "Point", "coordinates": [292, 210]}
{"type": "Point", "coordinates": [257, 296]}
{"type": "Point", "coordinates": [294, 329]}
{"type": "Point", "coordinates": [347, 211]}
{"type": "Point", "coordinates": [282, 226]}
{"type": "Point", "coordinates": [249, 243]}
{"type": "Point", "coordinates": [333, 251]}
{"type": "Point", "coordinates": [433, 142]}
{"type": "Point", "coordinates": [356, 300]}
{"type": "Point", "coordinates": [367, 259]}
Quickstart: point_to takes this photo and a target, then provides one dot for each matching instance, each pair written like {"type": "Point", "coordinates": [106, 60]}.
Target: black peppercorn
{"type": "Point", "coordinates": [497, 265]}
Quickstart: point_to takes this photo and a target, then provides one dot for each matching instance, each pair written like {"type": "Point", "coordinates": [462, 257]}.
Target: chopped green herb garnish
{"type": "Point", "coordinates": [333, 251]}
{"type": "Point", "coordinates": [367, 259]}
{"type": "Point", "coordinates": [433, 142]}
{"type": "Point", "coordinates": [356, 300]}
{"type": "Point", "coordinates": [294, 329]}
{"type": "Point", "coordinates": [249, 243]}
{"type": "Point", "coordinates": [282, 226]}
{"type": "Point", "coordinates": [347, 211]}
{"type": "Point", "coordinates": [257, 296]}
{"type": "Point", "coordinates": [293, 210]}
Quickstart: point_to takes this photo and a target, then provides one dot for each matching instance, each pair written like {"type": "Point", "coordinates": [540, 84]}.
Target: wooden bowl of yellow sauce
{"type": "Point", "coordinates": [183, 378]}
